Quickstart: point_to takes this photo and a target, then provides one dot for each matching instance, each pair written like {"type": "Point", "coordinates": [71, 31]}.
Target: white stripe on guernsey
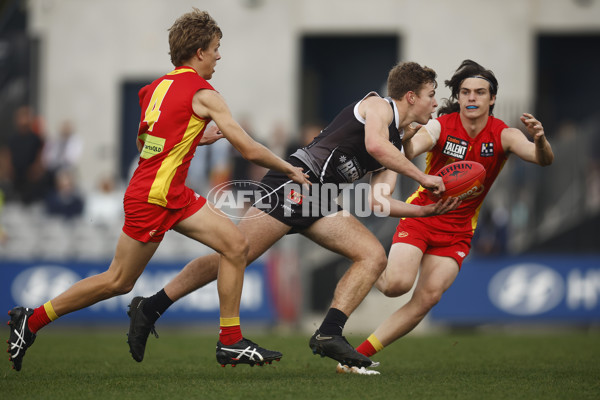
{"type": "Point", "coordinates": [397, 117]}
{"type": "Point", "coordinates": [271, 192]}
{"type": "Point", "coordinates": [356, 113]}
{"type": "Point", "coordinates": [325, 165]}
{"type": "Point", "coordinates": [363, 121]}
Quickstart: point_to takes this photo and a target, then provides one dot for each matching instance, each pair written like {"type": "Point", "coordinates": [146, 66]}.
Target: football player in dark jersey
{"type": "Point", "coordinates": [366, 137]}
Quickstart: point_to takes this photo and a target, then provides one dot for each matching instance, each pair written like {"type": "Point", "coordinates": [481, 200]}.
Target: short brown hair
{"type": "Point", "coordinates": [408, 76]}
{"type": "Point", "coordinates": [190, 32]}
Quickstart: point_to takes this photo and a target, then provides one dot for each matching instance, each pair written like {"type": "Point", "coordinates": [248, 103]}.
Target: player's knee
{"type": "Point", "coordinates": [396, 287]}
{"type": "Point", "coordinates": [430, 299]}
{"type": "Point", "coordinates": [394, 283]}
{"type": "Point", "coordinates": [377, 260]}
{"type": "Point", "coordinates": [122, 286]}
{"type": "Point", "coordinates": [237, 250]}
{"type": "Point", "coordinates": [115, 285]}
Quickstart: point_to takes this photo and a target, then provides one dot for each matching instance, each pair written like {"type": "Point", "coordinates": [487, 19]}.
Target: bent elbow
{"type": "Point", "coordinates": [251, 153]}
{"type": "Point", "coordinates": [375, 150]}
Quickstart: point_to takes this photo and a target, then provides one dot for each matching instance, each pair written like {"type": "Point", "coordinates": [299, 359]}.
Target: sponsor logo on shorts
{"type": "Point", "coordinates": [402, 234]}
{"type": "Point", "coordinates": [461, 254]}
{"type": "Point", "coordinates": [152, 233]}
{"type": "Point", "coordinates": [295, 197]}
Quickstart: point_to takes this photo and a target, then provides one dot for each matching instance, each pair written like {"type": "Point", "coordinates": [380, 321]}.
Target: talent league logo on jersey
{"type": "Point", "coordinates": [487, 149]}
{"type": "Point", "coordinates": [455, 147]}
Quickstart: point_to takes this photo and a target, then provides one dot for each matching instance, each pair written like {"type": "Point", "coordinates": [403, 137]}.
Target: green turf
{"type": "Point", "coordinates": [181, 365]}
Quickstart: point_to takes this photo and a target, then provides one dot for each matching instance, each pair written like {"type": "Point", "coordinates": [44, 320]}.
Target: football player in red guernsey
{"type": "Point", "coordinates": [176, 110]}
{"type": "Point", "coordinates": [437, 246]}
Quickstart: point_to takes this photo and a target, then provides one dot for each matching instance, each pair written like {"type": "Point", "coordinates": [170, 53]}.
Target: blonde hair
{"type": "Point", "coordinates": [190, 32]}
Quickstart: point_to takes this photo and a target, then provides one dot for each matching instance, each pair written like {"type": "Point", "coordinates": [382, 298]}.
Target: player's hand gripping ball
{"type": "Point", "coordinates": [462, 179]}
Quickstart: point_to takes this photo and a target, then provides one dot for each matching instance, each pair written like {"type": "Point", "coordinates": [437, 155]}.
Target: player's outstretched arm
{"type": "Point", "coordinates": [210, 104]}
{"type": "Point", "coordinates": [538, 152]}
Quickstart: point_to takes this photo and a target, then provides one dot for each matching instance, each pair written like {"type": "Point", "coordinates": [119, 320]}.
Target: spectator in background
{"type": "Point", "coordinates": [63, 151]}
{"type": "Point", "coordinates": [592, 183]}
{"type": "Point", "coordinates": [278, 139]}
{"type": "Point", "coordinates": [64, 200]}
{"type": "Point", "coordinates": [104, 205]}
{"type": "Point", "coordinates": [27, 172]}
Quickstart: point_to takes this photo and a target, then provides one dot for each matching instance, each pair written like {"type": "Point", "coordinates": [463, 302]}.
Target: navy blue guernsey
{"type": "Point", "coordinates": [339, 154]}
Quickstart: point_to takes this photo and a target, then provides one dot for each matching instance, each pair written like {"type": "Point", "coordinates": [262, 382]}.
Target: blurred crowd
{"type": "Point", "coordinates": [36, 168]}
{"type": "Point", "coordinates": [40, 176]}
{"type": "Point", "coordinates": [40, 171]}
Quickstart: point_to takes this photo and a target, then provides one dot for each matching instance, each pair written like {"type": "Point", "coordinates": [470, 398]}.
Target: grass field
{"type": "Point", "coordinates": [79, 364]}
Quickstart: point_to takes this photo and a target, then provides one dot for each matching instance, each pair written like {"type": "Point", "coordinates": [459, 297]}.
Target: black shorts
{"type": "Point", "coordinates": [293, 204]}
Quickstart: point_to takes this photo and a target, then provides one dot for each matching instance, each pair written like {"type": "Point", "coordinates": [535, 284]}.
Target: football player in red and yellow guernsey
{"type": "Point", "coordinates": [434, 248]}
{"type": "Point", "coordinates": [176, 110]}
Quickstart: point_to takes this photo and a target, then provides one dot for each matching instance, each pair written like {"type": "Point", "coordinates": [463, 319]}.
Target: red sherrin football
{"type": "Point", "coordinates": [462, 179]}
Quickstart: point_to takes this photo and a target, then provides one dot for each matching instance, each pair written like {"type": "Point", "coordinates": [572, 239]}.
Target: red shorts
{"type": "Point", "coordinates": [417, 232]}
{"type": "Point", "coordinates": [149, 222]}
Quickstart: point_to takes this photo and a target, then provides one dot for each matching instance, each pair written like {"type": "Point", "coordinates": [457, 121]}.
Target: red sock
{"type": "Point", "coordinates": [366, 348]}
{"type": "Point", "coordinates": [370, 346]}
{"type": "Point", "coordinates": [230, 331]}
{"type": "Point", "coordinates": [41, 317]}
{"type": "Point", "coordinates": [230, 334]}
